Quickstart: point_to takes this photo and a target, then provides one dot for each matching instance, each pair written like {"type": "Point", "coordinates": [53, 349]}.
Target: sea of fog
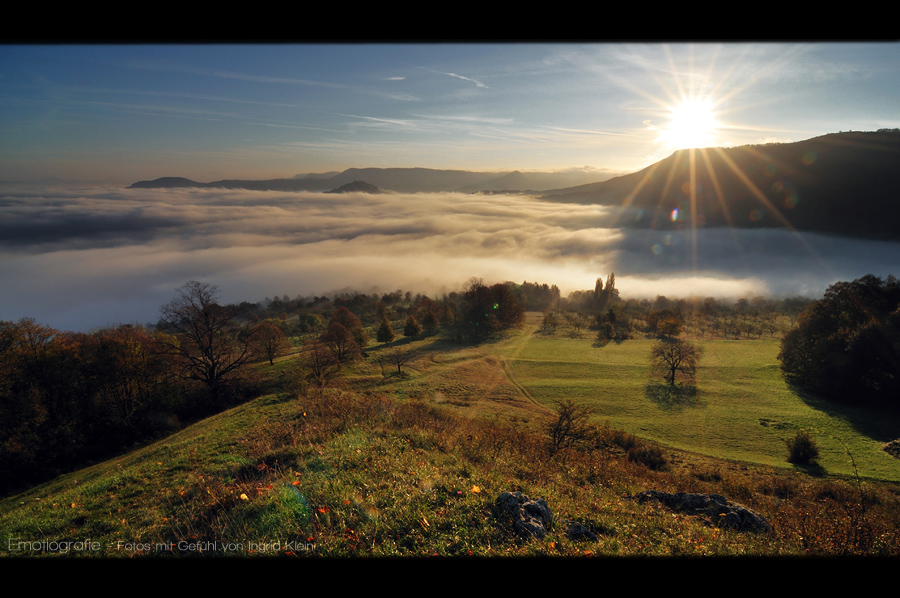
{"type": "Point", "coordinates": [82, 258]}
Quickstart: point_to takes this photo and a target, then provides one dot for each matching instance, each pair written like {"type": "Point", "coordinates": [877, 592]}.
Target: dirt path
{"type": "Point", "coordinates": [513, 348]}
{"type": "Point", "coordinates": [476, 378]}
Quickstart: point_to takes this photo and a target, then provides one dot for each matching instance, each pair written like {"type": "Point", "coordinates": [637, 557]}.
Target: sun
{"type": "Point", "coordinates": [692, 124]}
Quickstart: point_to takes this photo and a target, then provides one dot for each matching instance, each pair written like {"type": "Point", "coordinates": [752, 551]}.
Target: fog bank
{"type": "Point", "coordinates": [77, 259]}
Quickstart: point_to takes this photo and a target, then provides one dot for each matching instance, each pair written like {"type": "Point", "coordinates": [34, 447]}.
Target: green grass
{"type": "Point", "coordinates": [342, 474]}
{"type": "Point", "coordinates": [411, 465]}
{"type": "Point", "coordinates": [741, 407]}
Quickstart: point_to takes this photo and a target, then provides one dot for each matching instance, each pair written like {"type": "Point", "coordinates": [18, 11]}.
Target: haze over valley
{"type": "Point", "coordinates": [117, 254]}
{"type": "Point", "coordinates": [554, 163]}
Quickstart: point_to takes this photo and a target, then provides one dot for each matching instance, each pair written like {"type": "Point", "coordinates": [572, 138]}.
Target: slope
{"type": "Point", "coordinates": [843, 184]}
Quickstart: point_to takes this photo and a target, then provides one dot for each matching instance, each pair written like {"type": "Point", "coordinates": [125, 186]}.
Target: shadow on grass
{"type": "Point", "coordinates": [394, 376]}
{"type": "Point", "coordinates": [878, 421]}
{"type": "Point", "coordinates": [813, 469]}
{"type": "Point", "coordinates": [670, 396]}
{"type": "Point", "coordinates": [599, 343]}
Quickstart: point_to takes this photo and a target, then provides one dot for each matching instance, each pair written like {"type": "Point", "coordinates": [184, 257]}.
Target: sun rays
{"type": "Point", "coordinates": [692, 124]}
{"type": "Point", "coordinates": [690, 103]}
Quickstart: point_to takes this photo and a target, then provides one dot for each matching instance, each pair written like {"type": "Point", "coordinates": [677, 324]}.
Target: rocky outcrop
{"type": "Point", "coordinates": [530, 518]}
{"type": "Point", "coordinates": [892, 448]}
{"type": "Point", "coordinates": [579, 532]}
{"type": "Point", "coordinates": [721, 512]}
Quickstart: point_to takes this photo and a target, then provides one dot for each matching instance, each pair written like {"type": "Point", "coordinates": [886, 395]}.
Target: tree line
{"type": "Point", "coordinates": [67, 398]}
{"type": "Point", "coordinates": [754, 318]}
{"type": "Point", "coordinates": [846, 346]}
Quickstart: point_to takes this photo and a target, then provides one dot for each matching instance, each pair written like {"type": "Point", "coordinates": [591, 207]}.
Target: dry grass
{"type": "Point", "coordinates": [411, 466]}
{"type": "Point", "coordinates": [344, 473]}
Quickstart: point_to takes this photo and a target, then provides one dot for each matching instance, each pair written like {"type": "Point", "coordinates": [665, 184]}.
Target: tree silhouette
{"type": "Point", "coordinates": [271, 341]}
{"type": "Point", "coordinates": [351, 324]}
{"type": "Point", "coordinates": [675, 359]}
{"type": "Point", "coordinates": [204, 336]}
{"type": "Point", "coordinates": [319, 362]}
{"type": "Point", "coordinates": [341, 342]}
{"type": "Point", "coordinates": [488, 310]}
{"type": "Point", "coordinates": [847, 345]}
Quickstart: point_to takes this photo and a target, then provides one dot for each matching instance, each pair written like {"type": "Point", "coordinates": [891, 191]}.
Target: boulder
{"type": "Point", "coordinates": [578, 532]}
{"type": "Point", "coordinates": [892, 448]}
{"type": "Point", "coordinates": [715, 506]}
{"type": "Point", "coordinates": [529, 517]}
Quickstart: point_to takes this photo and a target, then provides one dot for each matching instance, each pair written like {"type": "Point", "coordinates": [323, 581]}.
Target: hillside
{"type": "Point", "coordinates": [843, 184]}
{"type": "Point", "coordinates": [411, 465]}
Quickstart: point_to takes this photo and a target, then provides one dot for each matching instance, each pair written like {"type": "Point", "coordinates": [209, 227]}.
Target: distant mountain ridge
{"type": "Point", "coordinates": [845, 184]}
{"type": "Point", "coordinates": [401, 180]}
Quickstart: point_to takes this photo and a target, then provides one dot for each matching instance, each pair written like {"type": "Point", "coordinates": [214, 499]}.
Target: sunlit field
{"type": "Point", "coordinates": [741, 407]}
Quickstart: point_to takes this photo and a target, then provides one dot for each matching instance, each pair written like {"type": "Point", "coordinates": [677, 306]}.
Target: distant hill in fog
{"type": "Point", "coordinates": [402, 180]}
{"type": "Point", "coordinates": [844, 183]}
{"type": "Point", "coordinates": [356, 187]}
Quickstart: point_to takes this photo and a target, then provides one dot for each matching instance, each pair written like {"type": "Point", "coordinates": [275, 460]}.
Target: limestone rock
{"type": "Point", "coordinates": [722, 512]}
{"type": "Point", "coordinates": [529, 517]}
{"type": "Point", "coordinates": [892, 448]}
{"type": "Point", "coordinates": [578, 532]}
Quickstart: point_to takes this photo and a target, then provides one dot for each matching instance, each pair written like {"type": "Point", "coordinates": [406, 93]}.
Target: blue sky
{"type": "Point", "coordinates": [117, 114]}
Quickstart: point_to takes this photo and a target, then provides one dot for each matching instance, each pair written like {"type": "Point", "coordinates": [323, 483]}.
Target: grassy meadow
{"type": "Point", "coordinates": [741, 408]}
{"type": "Point", "coordinates": [387, 463]}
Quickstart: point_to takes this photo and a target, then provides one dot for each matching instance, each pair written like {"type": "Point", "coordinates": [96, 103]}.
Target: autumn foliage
{"type": "Point", "coordinates": [489, 309]}
{"type": "Point", "coordinates": [846, 346]}
{"type": "Point", "coordinates": [66, 397]}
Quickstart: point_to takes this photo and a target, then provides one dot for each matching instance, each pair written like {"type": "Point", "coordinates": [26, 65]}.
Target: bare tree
{"type": "Point", "coordinates": [401, 357]}
{"type": "Point", "coordinates": [398, 356]}
{"type": "Point", "coordinates": [319, 363]}
{"type": "Point", "coordinates": [341, 342]}
{"type": "Point", "coordinates": [571, 426]}
{"type": "Point", "coordinates": [204, 336]}
{"type": "Point", "coordinates": [675, 358]}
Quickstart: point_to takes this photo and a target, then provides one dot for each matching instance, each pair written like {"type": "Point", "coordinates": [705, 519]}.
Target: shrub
{"type": "Point", "coordinates": [571, 426]}
{"type": "Point", "coordinates": [802, 449]}
{"type": "Point", "coordinates": [618, 438]}
{"type": "Point", "coordinates": [649, 456]}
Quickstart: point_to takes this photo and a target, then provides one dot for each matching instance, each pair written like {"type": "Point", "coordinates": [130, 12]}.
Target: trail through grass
{"type": "Point", "coordinates": [740, 408]}
{"type": "Point", "coordinates": [410, 465]}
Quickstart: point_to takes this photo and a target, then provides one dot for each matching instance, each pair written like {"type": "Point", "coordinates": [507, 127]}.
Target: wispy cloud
{"type": "Point", "coordinates": [239, 76]}
{"type": "Point", "coordinates": [379, 121]}
{"type": "Point", "coordinates": [458, 76]}
{"type": "Point", "coordinates": [476, 82]}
